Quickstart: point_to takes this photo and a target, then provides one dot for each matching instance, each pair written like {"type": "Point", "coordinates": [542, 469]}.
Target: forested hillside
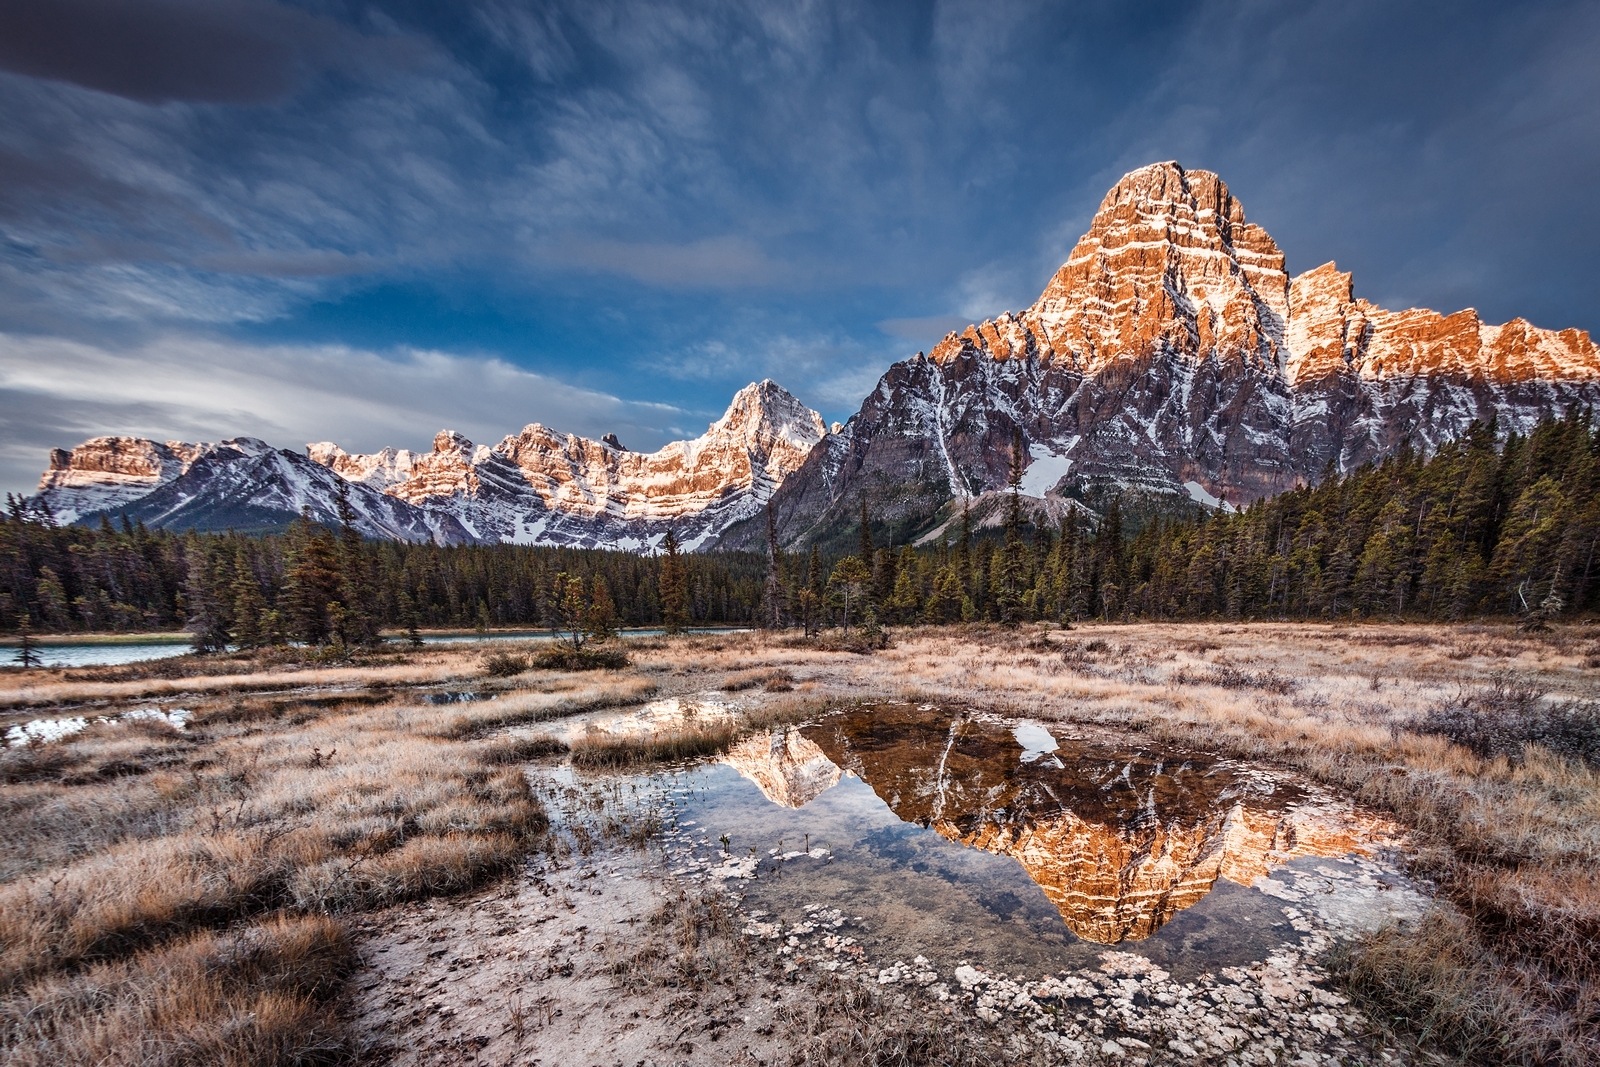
{"type": "Point", "coordinates": [1483, 527]}
{"type": "Point", "coordinates": [317, 584]}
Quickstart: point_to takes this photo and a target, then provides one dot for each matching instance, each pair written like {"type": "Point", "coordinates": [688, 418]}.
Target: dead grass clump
{"type": "Point", "coordinates": [522, 749]}
{"type": "Point", "coordinates": [505, 664]}
{"type": "Point", "coordinates": [1501, 718]}
{"type": "Point", "coordinates": [844, 1022]}
{"type": "Point", "coordinates": [1394, 638]}
{"type": "Point", "coordinates": [513, 709]}
{"type": "Point", "coordinates": [561, 657]}
{"type": "Point", "coordinates": [600, 751]}
{"type": "Point", "coordinates": [1430, 980]}
{"type": "Point", "coordinates": [36, 763]}
{"type": "Point", "coordinates": [772, 679]}
{"type": "Point", "coordinates": [691, 942]}
{"type": "Point", "coordinates": [1228, 676]}
{"type": "Point", "coordinates": [259, 997]}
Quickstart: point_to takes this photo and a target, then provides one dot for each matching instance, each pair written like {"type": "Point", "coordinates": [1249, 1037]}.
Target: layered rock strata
{"type": "Point", "coordinates": [535, 487]}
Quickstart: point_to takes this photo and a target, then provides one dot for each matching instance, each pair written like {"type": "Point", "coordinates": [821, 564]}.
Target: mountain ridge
{"type": "Point", "coordinates": [537, 486]}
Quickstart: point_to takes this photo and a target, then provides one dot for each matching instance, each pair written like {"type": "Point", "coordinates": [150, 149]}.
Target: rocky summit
{"type": "Point", "coordinates": [1172, 359]}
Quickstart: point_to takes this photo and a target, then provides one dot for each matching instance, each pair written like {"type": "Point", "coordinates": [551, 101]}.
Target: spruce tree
{"type": "Point", "coordinates": [773, 594]}
{"type": "Point", "coordinates": [674, 586]}
{"type": "Point", "coordinates": [1011, 577]}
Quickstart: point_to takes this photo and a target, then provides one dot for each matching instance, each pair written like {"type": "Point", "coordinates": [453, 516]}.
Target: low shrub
{"type": "Point", "coordinates": [566, 658]}
{"type": "Point", "coordinates": [1227, 676]}
{"type": "Point", "coordinates": [772, 679]}
{"type": "Point", "coordinates": [505, 664]}
{"type": "Point", "coordinates": [1501, 717]}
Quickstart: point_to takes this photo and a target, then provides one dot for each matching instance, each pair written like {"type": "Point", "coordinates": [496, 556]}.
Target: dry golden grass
{"type": "Point", "coordinates": [137, 857]}
{"type": "Point", "coordinates": [259, 995]}
{"type": "Point", "coordinates": [599, 750]}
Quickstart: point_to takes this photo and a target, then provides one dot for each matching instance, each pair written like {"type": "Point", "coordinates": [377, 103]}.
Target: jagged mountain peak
{"type": "Point", "coordinates": [1169, 266]}
{"type": "Point", "coordinates": [766, 409]}
{"type": "Point", "coordinates": [451, 441]}
{"type": "Point", "coordinates": [1171, 356]}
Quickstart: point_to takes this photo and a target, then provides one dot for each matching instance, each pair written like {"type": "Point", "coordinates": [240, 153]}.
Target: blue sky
{"type": "Point", "coordinates": [364, 222]}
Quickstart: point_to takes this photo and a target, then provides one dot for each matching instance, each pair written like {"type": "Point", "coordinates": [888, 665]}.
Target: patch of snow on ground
{"type": "Point", "coordinates": [1198, 494]}
{"type": "Point", "coordinates": [44, 731]}
{"type": "Point", "coordinates": [1046, 470]}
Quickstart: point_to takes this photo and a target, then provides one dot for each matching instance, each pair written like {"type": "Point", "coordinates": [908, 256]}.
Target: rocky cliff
{"type": "Point", "coordinates": [1173, 356]}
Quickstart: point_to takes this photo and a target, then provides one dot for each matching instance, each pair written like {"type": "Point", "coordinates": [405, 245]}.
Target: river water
{"type": "Point", "coordinates": [111, 655]}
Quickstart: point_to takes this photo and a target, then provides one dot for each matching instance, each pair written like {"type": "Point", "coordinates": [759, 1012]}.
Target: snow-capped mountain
{"type": "Point", "coordinates": [1173, 355]}
{"type": "Point", "coordinates": [536, 487]}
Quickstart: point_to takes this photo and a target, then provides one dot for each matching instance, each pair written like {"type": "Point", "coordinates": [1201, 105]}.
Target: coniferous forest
{"type": "Point", "coordinates": [1488, 525]}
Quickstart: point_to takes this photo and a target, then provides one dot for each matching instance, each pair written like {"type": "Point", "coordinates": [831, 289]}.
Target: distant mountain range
{"type": "Point", "coordinates": [1172, 359]}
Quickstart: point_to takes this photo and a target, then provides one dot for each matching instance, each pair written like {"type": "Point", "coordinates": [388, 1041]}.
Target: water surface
{"type": "Point", "coordinates": [1009, 844]}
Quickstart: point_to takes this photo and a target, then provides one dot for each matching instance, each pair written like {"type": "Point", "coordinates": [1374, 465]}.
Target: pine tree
{"type": "Point", "coordinates": [312, 585]}
{"type": "Point", "coordinates": [1011, 577]}
{"type": "Point", "coordinates": [249, 606]}
{"type": "Point", "coordinates": [358, 623]}
{"type": "Point", "coordinates": [773, 617]}
{"type": "Point", "coordinates": [674, 586]}
{"type": "Point", "coordinates": [848, 584]}
{"type": "Point", "coordinates": [27, 647]}
{"type": "Point", "coordinates": [811, 595]}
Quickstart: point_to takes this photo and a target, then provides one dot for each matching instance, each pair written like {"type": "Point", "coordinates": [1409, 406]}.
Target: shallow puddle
{"type": "Point", "coordinates": [903, 831]}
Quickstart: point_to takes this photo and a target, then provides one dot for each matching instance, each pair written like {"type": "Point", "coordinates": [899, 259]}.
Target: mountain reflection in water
{"type": "Point", "coordinates": [1120, 839]}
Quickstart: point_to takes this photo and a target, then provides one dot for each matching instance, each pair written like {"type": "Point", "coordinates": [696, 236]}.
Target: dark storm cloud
{"type": "Point", "coordinates": [219, 51]}
{"type": "Point", "coordinates": [669, 199]}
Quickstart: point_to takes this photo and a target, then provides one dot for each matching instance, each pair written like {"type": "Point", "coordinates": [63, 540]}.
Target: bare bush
{"type": "Point", "coordinates": [563, 657]}
{"type": "Point", "coordinates": [1228, 676]}
{"type": "Point", "coordinates": [1503, 716]}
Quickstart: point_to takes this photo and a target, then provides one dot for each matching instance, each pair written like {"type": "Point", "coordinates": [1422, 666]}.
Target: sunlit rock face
{"type": "Point", "coordinates": [104, 472]}
{"type": "Point", "coordinates": [1120, 840]}
{"type": "Point", "coordinates": [785, 765]}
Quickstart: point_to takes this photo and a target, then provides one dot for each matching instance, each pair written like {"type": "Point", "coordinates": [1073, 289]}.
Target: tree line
{"type": "Point", "coordinates": [1483, 526]}
{"type": "Point", "coordinates": [321, 584]}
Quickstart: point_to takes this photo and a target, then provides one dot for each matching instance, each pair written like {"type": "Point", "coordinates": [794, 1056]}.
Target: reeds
{"type": "Point", "coordinates": [603, 751]}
